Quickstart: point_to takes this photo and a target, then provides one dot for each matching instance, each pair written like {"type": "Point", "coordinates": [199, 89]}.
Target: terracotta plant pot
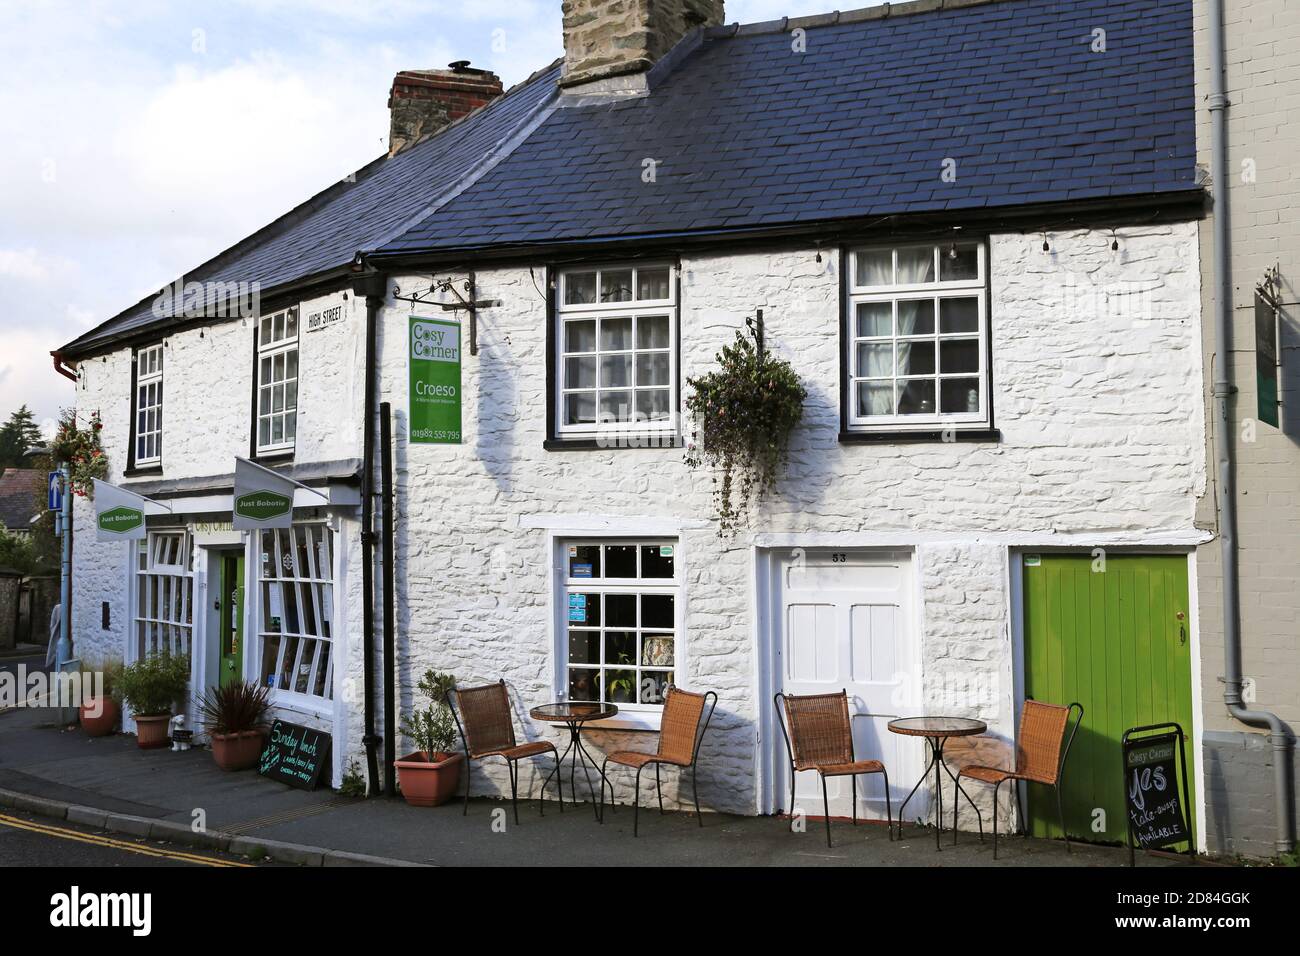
{"type": "Point", "coordinates": [237, 751]}
{"type": "Point", "coordinates": [429, 783]}
{"type": "Point", "coordinates": [152, 732]}
{"type": "Point", "coordinates": [103, 725]}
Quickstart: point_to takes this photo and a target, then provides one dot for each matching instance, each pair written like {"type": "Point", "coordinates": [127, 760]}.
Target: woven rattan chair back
{"type": "Point", "coordinates": [680, 725]}
{"type": "Point", "coordinates": [485, 712]}
{"type": "Point", "coordinates": [820, 733]}
{"type": "Point", "coordinates": [1042, 732]}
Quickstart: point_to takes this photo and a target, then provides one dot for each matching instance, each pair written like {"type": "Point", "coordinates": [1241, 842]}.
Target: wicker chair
{"type": "Point", "coordinates": [487, 729]}
{"type": "Point", "coordinates": [820, 737]}
{"type": "Point", "coordinates": [681, 731]}
{"type": "Point", "coordinates": [1040, 758]}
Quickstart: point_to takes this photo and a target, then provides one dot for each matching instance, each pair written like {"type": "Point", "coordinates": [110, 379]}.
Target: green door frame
{"type": "Point", "coordinates": [230, 629]}
{"type": "Point", "coordinates": [1137, 611]}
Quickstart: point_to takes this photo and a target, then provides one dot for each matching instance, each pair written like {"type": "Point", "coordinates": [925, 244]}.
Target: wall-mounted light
{"type": "Point", "coordinates": [1114, 242]}
{"type": "Point", "coordinates": [1046, 246]}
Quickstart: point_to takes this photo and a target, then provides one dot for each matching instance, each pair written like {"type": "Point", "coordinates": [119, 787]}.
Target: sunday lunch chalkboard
{"type": "Point", "coordinates": [294, 755]}
{"type": "Point", "coordinates": [1155, 811]}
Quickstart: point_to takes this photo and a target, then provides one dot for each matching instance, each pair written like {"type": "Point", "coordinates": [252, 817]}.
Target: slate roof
{"type": "Point", "coordinates": [749, 134]}
{"type": "Point", "coordinates": [18, 497]}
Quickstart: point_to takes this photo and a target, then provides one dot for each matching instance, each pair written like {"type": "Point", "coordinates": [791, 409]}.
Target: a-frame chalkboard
{"type": "Point", "coordinates": [1157, 817]}
{"type": "Point", "coordinates": [294, 755]}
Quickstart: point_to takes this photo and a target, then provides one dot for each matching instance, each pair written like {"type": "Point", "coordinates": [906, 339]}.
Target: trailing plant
{"type": "Point", "coordinates": [80, 449]}
{"type": "Point", "coordinates": [432, 728]}
{"type": "Point", "coordinates": [151, 685]}
{"type": "Point", "coordinates": [235, 708]}
{"type": "Point", "coordinates": [743, 413]}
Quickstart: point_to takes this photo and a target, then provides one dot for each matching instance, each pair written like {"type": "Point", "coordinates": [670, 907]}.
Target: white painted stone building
{"type": "Point", "coordinates": [1061, 322]}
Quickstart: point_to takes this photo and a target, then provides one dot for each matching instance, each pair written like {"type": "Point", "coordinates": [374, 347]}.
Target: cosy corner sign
{"type": "Point", "coordinates": [434, 413]}
{"type": "Point", "coordinates": [264, 498]}
{"type": "Point", "coordinates": [119, 514]}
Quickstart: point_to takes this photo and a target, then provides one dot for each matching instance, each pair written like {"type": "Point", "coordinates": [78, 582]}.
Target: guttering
{"type": "Point", "coordinates": [1225, 491]}
{"type": "Point", "coordinates": [65, 370]}
{"type": "Point", "coordinates": [373, 286]}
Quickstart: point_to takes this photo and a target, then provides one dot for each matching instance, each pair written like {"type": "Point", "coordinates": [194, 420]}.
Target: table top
{"type": "Point", "coordinates": [573, 711]}
{"type": "Point", "coordinates": [937, 726]}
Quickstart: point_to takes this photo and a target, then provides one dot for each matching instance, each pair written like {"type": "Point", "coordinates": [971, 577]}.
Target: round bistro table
{"type": "Point", "coordinates": [573, 714]}
{"type": "Point", "coordinates": [936, 731]}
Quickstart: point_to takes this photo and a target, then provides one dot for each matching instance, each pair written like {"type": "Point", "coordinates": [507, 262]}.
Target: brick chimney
{"type": "Point", "coordinates": [422, 102]}
{"type": "Point", "coordinates": [611, 38]}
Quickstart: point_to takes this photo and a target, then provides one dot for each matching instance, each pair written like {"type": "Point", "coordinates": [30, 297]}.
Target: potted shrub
{"type": "Point", "coordinates": [150, 687]}
{"type": "Point", "coordinates": [235, 718]}
{"type": "Point", "coordinates": [429, 776]}
{"type": "Point", "coordinates": [99, 708]}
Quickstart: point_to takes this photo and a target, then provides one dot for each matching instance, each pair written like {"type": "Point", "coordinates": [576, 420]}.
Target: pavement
{"type": "Point", "coordinates": [109, 784]}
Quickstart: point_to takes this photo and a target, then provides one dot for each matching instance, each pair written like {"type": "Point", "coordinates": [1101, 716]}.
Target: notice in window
{"type": "Point", "coordinates": [434, 411]}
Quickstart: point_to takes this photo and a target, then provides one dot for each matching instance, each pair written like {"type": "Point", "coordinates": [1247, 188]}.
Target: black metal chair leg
{"type": "Point", "coordinates": [695, 791]}
{"type": "Point", "coordinates": [514, 787]}
{"type": "Point", "coordinates": [659, 789]}
{"type": "Point", "coordinates": [826, 807]}
{"type": "Point", "coordinates": [954, 813]}
{"type": "Point", "coordinates": [1020, 813]}
{"type": "Point", "coordinates": [996, 787]}
{"type": "Point", "coordinates": [600, 817]}
{"type": "Point", "coordinates": [1060, 813]}
{"type": "Point", "coordinates": [791, 811]}
{"type": "Point", "coordinates": [853, 781]}
{"type": "Point", "coordinates": [889, 814]}
{"type": "Point", "coordinates": [468, 767]}
{"type": "Point", "coordinates": [636, 801]}
{"type": "Point", "coordinates": [559, 783]}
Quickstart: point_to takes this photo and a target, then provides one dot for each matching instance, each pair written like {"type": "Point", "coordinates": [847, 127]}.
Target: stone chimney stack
{"type": "Point", "coordinates": [424, 101]}
{"type": "Point", "coordinates": [613, 38]}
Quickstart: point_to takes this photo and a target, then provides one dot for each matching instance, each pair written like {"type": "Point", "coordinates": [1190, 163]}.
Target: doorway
{"type": "Point", "coordinates": [843, 619]}
{"type": "Point", "coordinates": [229, 605]}
{"type": "Point", "coordinates": [1112, 632]}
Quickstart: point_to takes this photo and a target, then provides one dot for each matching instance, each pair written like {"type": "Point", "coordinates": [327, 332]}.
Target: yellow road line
{"type": "Point", "coordinates": [63, 833]}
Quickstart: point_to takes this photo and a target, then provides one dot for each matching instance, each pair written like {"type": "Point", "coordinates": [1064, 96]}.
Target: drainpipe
{"type": "Point", "coordinates": [374, 287]}
{"type": "Point", "coordinates": [390, 581]}
{"type": "Point", "coordinates": [1225, 492]}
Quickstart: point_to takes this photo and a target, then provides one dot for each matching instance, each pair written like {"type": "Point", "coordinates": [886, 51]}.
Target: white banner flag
{"type": "Point", "coordinates": [264, 498]}
{"type": "Point", "coordinates": [119, 514]}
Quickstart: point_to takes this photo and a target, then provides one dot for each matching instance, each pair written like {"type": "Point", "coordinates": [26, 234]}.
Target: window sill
{"type": "Point", "coordinates": [153, 471]}
{"type": "Point", "coordinates": [928, 435]}
{"type": "Point", "coordinates": [628, 720]}
{"type": "Point", "coordinates": [617, 444]}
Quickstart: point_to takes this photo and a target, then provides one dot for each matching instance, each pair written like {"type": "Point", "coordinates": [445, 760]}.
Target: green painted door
{"type": "Point", "coordinates": [1115, 636]}
{"type": "Point", "coordinates": [232, 618]}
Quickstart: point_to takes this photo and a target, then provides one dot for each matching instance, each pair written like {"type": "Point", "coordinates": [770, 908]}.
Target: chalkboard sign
{"type": "Point", "coordinates": [294, 755]}
{"type": "Point", "coordinates": [1155, 811]}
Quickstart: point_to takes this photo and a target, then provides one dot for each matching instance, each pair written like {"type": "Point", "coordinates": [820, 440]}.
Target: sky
{"type": "Point", "coordinates": [142, 137]}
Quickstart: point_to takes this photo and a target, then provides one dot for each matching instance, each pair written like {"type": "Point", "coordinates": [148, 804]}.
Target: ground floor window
{"type": "Point", "coordinates": [621, 607]}
{"type": "Point", "coordinates": [296, 583]}
{"type": "Point", "coordinates": [164, 600]}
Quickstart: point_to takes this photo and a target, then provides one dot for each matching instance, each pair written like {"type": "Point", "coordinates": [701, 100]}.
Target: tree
{"type": "Point", "coordinates": [18, 436]}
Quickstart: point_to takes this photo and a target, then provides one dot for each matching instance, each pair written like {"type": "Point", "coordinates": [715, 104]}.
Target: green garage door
{"type": "Point", "coordinates": [1118, 641]}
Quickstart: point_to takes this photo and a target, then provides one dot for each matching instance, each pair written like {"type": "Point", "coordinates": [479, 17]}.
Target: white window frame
{"type": "Point", "coordinates": [321, 584]}
{"type": "Point", "coordinates": [269, 350]}
{"type": "Point", "coordinates": [148, 385]}
{"type": "Point", "coordinates": [615, 310]}
{"type": "Point", "coordinates": [674, 586]}
{"type": "Point", "coordinates": [160, 583]}
{"type": "Point", "coordinates": [894, 293]}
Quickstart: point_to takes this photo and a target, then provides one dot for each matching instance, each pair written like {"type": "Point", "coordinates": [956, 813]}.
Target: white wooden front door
{"type": "Point", "coordinates": [844, 620]}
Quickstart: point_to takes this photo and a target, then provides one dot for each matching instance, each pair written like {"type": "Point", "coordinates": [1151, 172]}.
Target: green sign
{"type": "Point", "coordinates": [434, 411]}
{"type": "Point", "coordinates": [263, 505]}
{"type": "Point", "coordinates": [121, 520]}
{"type": "Point", "coordinates": [1266, 352]}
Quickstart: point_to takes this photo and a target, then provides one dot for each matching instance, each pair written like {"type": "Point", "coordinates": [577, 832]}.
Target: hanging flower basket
{"type": "Point", "coordinates": [744, 413]}
{"type": "Point", "coordinates": [81, 451]}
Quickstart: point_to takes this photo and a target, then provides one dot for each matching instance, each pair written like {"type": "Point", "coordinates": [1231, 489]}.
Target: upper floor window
{"type": "Point", "coordinates": [617, 350]}
{"type": "Point", "coordinates": [148, 405]}
{"type": "Point", "coordinates": [277, 381]}
{"type": "Point", "coordinates": [917, 338]}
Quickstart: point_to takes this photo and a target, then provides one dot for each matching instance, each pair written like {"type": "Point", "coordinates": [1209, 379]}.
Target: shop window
{"type": "Point", "coordinates": [164, 604]}
{"type": "Point", "coordinates": [277, 382]}
{"type": "Point", "coordinates": [917, 337]}
{"type": "Point", "coordinates": [621, 604]}
{"type": "Point", "coordinates": [296, 581]}
{"type": "Point", "coordinates": [148, 405]}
